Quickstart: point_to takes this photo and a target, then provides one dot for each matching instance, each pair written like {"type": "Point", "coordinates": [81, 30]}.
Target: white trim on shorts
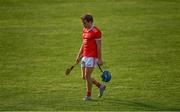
{"type": "Point", "coordinates": [89, 62]}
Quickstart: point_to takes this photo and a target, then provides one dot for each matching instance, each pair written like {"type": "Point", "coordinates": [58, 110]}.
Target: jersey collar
{"type": "Point", "coordinates": [90, 28]}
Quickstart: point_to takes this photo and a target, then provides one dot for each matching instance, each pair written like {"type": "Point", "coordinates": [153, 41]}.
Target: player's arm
{"type": "Point", "coordinates": [79, 56]}
{"type": "Point", "coordinates": [98, 42]}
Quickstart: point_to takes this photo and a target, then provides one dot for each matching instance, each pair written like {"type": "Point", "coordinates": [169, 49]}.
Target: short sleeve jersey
{"type": "Point", "coordinates": [89, 41]}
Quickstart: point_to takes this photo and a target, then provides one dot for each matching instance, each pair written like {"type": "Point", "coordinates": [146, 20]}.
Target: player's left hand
{"type": "Point", "coordinates": [100, 62]}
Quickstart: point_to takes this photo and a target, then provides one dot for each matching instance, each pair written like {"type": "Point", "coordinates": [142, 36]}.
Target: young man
{"type": "Point", "coordinates": [90, 54]}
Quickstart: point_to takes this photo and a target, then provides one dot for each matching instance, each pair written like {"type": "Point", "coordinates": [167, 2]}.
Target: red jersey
{"type": "Point", "coordinates": [89, 41]}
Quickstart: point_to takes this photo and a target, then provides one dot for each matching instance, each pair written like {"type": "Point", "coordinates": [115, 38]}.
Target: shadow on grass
{"type": "Point", "coordinates": [140, 105]}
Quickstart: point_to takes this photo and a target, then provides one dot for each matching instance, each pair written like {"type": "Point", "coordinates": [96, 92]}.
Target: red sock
{"type": "Point", "coordinates": [88, 93]}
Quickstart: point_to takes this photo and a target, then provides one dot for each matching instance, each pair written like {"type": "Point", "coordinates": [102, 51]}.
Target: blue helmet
{"type": "Point", "coordinates": [106, 76]}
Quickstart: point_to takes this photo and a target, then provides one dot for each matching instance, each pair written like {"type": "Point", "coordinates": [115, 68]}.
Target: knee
{"type": "Point", "coordinates": [84, 78]}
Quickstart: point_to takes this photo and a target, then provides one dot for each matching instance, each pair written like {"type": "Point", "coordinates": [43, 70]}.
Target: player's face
{"type": "Point", "coordinates": [86, 24]}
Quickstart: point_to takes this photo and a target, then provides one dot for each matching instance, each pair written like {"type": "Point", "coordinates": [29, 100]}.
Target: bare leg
{"type": "Point", "coordinates": [83, 73]}
{"type": "Point", "coordinates": [95, 82]}
{"type": "Point", "coordinates": [88, 72]}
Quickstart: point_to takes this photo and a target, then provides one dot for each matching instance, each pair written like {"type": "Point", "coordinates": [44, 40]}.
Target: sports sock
{"type": "Point", "coordinates": [88, 93]}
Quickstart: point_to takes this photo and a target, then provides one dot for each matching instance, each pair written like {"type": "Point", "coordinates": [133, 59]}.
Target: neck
{"type": "Point", "coordinates": [89, 28]}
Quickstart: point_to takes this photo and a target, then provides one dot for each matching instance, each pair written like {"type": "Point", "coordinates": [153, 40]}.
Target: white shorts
{"type": "Point", "coordinates": [89, 62]}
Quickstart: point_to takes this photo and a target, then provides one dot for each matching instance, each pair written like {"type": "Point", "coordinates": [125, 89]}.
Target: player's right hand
{"type": "Point", "coordinates": [77, 60]}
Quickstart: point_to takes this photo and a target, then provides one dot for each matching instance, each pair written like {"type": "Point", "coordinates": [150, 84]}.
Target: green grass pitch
{"type": "Point", "coordinates": [39, 39]}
